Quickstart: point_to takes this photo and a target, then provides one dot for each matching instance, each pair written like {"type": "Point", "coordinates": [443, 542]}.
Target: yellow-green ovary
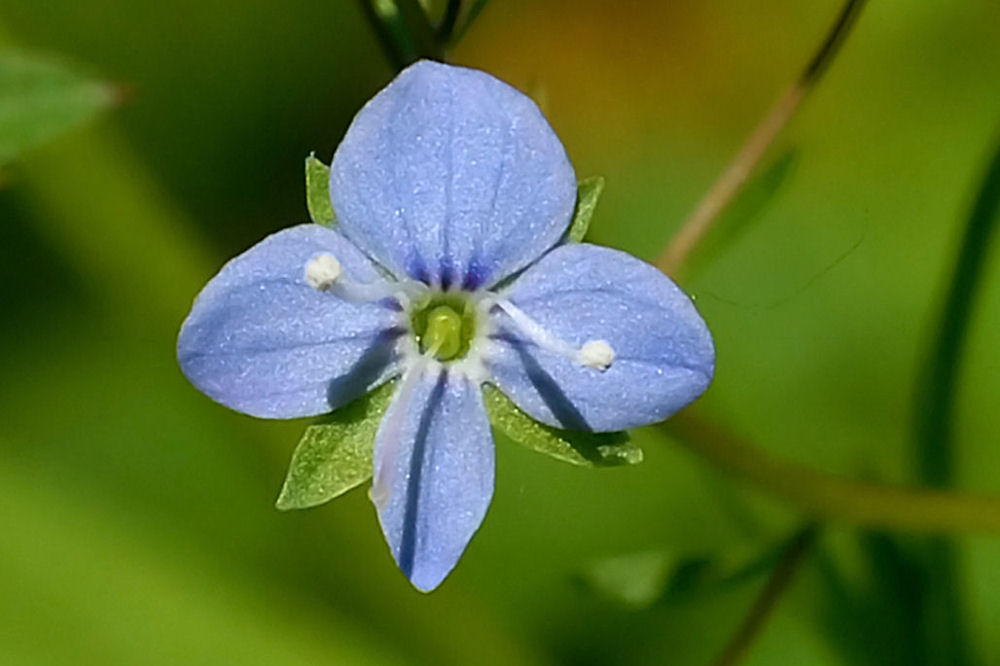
{"type": "Point", "coordinates": [443, 333]}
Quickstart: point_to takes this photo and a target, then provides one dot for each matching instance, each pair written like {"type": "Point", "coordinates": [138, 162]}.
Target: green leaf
{"type": "Point", "coordinates": [641, 579]}
{"type": "Point", "coordinates": [40, 99]}
{"type": "Point", "coordinates": [318, 192]}
{"type": "Point", "coordinates": [634, 580]}
{"type": "Point", "coordinates": [335, 455]}
{"type": "Point", "coordinates": [587, 193]}
{"type": "Point", "coordinates": [580, 448]}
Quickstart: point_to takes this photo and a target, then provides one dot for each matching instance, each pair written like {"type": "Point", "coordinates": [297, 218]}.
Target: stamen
{"type": "Point", "coordinates": [324, 273]}
{"type": "Point", "coordinates": [596, 354]}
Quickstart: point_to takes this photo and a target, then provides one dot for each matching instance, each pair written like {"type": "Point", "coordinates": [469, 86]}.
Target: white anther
{"type": "Point", "coordinates": [597, 354]}
{"type": "Point", "coordinates": [322, 271]}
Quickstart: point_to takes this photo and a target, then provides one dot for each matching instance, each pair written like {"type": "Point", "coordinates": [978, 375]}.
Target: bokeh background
{"type": "Point", "coordinates": [137, 523]}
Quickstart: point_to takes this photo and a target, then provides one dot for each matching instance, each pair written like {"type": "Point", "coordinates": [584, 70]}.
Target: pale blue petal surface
{"type": "Point", "coordinates": [260, 340]}
{"type": "Point", "coordinates": [439, 449]}
{"type": "Point", "coordinates": [452, 177]}
{"type": "Point", "coordinates": [664, 352]}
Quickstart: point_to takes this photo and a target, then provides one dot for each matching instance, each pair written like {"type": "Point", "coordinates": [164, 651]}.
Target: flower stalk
{"type": "Point", "coordinates": [731, 180]}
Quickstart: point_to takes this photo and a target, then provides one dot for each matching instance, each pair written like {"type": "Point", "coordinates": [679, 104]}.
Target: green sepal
{"type": "Point", "coordinates": [587, 194]}
{"type": "Point", "coordinates": [41, 98]}
{"type": "Point", "coordinates": [318, 192]}
{"type": "Point", "coordinates": [580, 448]}
{"type": "Point", "coordinates": [335, 454]}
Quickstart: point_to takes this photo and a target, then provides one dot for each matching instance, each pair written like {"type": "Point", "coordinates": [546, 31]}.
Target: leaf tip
{"type": "Point", "coordinates": [588, 193]}
{"type": "Point", "coordinates": [318, 191]}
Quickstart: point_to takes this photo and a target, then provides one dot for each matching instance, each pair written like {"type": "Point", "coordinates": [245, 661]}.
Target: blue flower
{"type": "Point", "coordinates": [447, 270]}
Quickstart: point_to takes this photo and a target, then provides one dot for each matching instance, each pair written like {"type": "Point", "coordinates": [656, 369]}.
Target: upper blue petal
{"type": "Point", "coordinates": [436, 444]}
{"type": "Point", "coordinates": [452, 177]}
{"type": "Point", "coordinates": [664, 357]}
{"type": "Point", "coordinates": [262, 341]}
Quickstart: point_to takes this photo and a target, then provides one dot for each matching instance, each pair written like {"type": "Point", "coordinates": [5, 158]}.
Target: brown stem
{"type": "Point", "coordinates": [833, 497]}
{"type": "Point", "coordinates": [750, 154]}
{"type": "Point", "coordinates": [767, 600]}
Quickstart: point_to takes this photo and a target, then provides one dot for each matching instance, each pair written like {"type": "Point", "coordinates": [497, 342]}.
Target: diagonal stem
{"type": "Point", "coordinates": [470, 16]}
{"type": "Point", "coordinates": [419, 26]}
{"type": "Point", "coordinates": [403, 30]}
{"type": "Point", "coordinates": [728, 184]}
{"type": "Point", "coordinates": [765, 603]}
{"type": "Point", "coordinates": [447, 26]}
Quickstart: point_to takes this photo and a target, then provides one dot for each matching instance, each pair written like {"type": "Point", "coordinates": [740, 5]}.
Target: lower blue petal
{"type": "Point", "coordinates": [261, 341]}
{"type": "Point", "coordinates": [434, 455]}
{"type": "Point", "coordinates": [664, 356]}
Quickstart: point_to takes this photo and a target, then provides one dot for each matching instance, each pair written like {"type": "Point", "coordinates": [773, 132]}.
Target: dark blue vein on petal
{"type": "Point", "coordinates": [408, 542]}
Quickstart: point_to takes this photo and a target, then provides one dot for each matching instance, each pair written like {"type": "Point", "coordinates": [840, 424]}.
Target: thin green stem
{"type": "Point", "coordinates": [943, 609]}
{"type": "Point", "coordinates": [403, 30]}
{"type": "Point", "coordinates": [767, 601]}
{"type": "Point", "coordinates": [470, 17]}
{"type": "Point", "coordinates": [834, 498]}
{"type": "Point", "coordinates": [420, 28]}
{"type": "Point", "coordinates": [936, 400]}
{"type": "Point", "coordinates": [447, 26]}
{"type": "Point", "coordinates": [399, 49]}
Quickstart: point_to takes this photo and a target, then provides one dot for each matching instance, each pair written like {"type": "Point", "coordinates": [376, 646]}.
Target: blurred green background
{"type": "Point", "coordinates": [136, 516]}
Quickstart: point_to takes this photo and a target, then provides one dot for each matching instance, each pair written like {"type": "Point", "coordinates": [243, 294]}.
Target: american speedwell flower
{"type": "Point", "coordinates": [448, 269]}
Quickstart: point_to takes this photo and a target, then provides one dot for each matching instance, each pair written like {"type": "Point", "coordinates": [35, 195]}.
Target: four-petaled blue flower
{"type": "Point", "coordinates": [448, 269]}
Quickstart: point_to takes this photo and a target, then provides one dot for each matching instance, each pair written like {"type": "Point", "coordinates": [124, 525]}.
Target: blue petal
{"type": "Point", "coordinates": [452, 177]}
{"type": "Point", "coordinates": [664, 357]}
{"type": "Point", "coordinates": [435, 446]}
{"type": "Point", "coordinates": [263, 342]}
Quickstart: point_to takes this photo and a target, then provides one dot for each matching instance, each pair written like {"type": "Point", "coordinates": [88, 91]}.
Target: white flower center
{"type": "Point", "coordinates": [438, 337]}
{"type": "Point", "coordinates": [325, 273]}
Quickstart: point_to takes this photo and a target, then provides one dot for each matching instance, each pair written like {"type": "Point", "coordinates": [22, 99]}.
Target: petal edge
{"type": "Point", "coordinates": [664, 355]}
{"type": "Point", "coordinates": [452, 177]}
{"type": "Point", "coordinates": [261, 341]}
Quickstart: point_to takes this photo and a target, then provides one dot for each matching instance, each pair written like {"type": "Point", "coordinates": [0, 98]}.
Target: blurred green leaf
{"type": "Point", "coordinates": [638, 580]}
{"type": "Point", "coordinates": [635, 580]}
{"type": "Point", "coordinates": [336, 454]}
{"type": "Point", "coordinates": [872, 612]}
{"type": "Point", "coordinates": [588, 193]}
{"type": "Point", "coordinates": [41, 98]}
{"type": "Point", "coordinates": [318, 192]}
{"type": "Point", "coordinates": [125, 595]}
{"type": "Point", "coordinates": [580, 448]}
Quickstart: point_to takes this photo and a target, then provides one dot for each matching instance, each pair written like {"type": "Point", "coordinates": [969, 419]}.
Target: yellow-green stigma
{"type": "Point", "coordinates": [444, 327]}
